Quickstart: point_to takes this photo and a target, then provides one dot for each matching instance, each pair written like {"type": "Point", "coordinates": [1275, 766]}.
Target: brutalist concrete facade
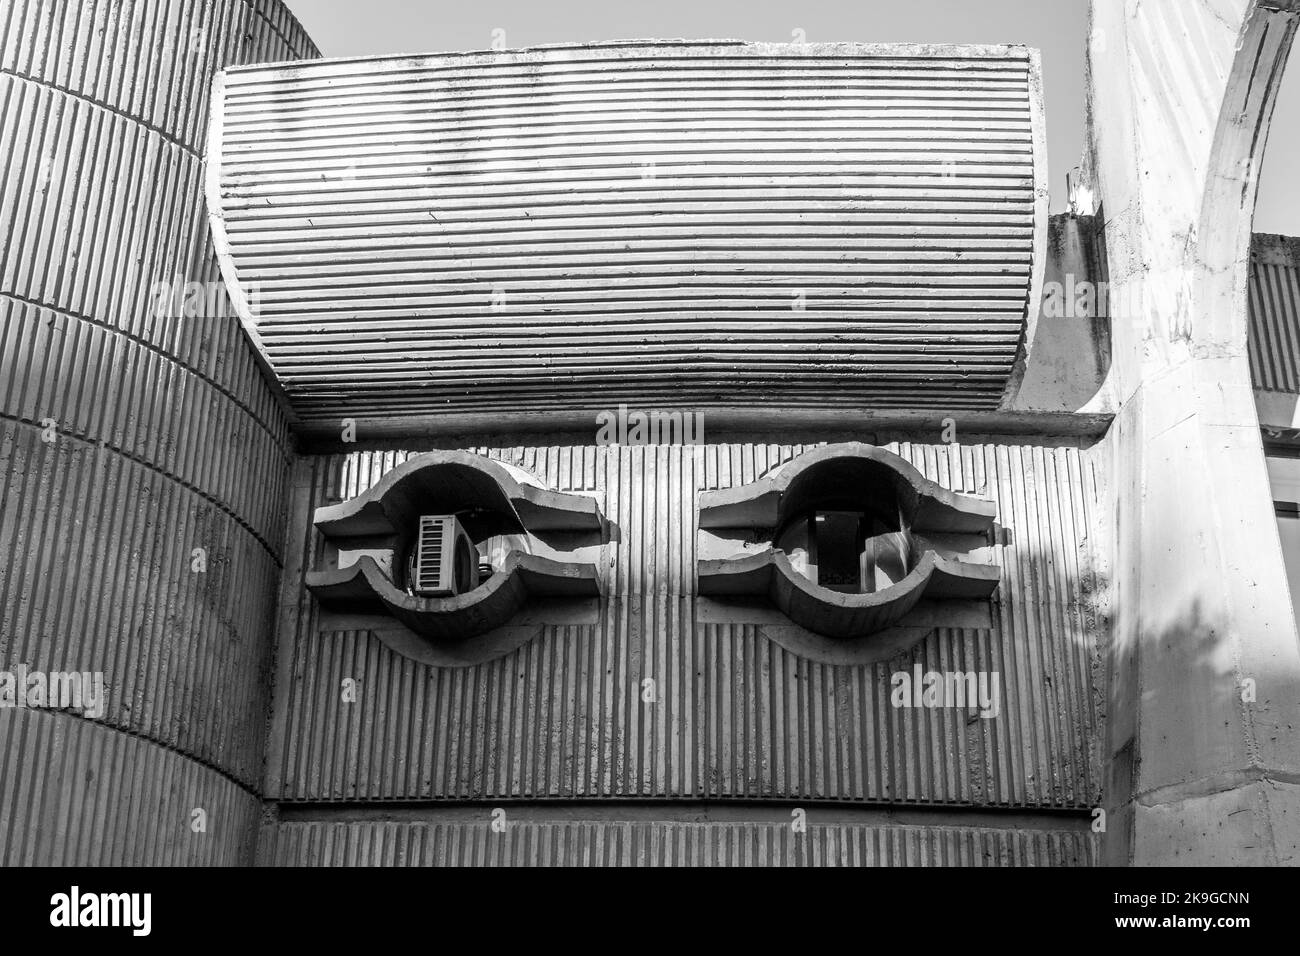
{"type": "Point", "coordinates": [735, 720]}
{"type": "Point", "coordinates": [163, 470]}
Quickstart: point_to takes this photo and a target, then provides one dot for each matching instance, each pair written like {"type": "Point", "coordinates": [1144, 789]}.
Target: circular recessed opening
{"type": "Point", "coordinates": [852, 550]}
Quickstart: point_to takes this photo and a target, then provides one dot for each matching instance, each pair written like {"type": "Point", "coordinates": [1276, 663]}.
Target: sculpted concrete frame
{"type": "Point", "coordinates": [832, 625]}
{"type": "Point", "coordinates": [369, 533]}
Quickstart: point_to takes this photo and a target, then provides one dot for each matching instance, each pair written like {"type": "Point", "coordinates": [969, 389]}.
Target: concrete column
{"type": "Point", "coordinates": [1203, 748]}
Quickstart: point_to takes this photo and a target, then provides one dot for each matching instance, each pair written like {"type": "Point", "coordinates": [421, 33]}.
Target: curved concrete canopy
{"type": "Point", "coordinates": [676, 224]}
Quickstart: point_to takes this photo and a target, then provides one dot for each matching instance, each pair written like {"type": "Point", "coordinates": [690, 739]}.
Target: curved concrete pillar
{"type": "Point", "coordinates": [144, 460]}
{"type": "Point", "coordinates": [1204, 724]}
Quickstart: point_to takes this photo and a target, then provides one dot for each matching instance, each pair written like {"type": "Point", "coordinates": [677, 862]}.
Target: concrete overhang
{"type": "Point", "coordinates": [683, 223]}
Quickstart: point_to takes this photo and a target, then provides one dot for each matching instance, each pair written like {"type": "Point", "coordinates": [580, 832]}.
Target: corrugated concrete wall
{"type": "Point", "coordinates": [1274, 330]}
{"type": "Point", "coordinates": [132, 431]}
{"type": "Point", "coordinates": [843, 224]}
{"type": "Point", "coordinates": [73, 793]}
{"type": "Point", "coordinates": [598, 843]}
{"type": "Point", "coordinates": [561, 721]}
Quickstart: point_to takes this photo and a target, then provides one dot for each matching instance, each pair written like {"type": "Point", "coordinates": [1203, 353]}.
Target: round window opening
{"type": "Point", "coordinates": [849, 548]}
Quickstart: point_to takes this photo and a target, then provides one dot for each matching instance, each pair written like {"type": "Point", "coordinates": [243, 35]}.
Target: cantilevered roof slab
{"type": "Point", "coordinates": [662, 223]}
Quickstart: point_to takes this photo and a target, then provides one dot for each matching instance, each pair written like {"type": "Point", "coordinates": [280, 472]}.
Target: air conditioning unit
{"type": "Point", "coordinates": [444, 561]}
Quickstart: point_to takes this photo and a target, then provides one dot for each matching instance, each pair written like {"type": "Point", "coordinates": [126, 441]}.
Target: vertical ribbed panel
{"type": "Point", "coordinates": [97, 552]}
{"type": "Point", "coordinates": [73, 793]}
{"type": "Point", "coordinates": [152, 60]}
{"type": "Point", "coordinates": [133, 429]}
{"type": "Point", "coordinates": [106, 390]}
{"type": "Point", "coordinates": [736, 716]}
{"type": "Point", "coordinates": [643, 843]}
{"type": "Point", "coordinates": [733, 223]}
{"type": "Point", "coordinates": [1274, 334]}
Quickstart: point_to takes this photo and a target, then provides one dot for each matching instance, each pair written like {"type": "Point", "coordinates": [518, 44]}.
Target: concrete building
{"type": "Point", "coordinates": [683, 452]}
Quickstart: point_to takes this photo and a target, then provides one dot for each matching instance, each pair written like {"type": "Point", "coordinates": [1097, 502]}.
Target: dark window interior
{"type": "Point", "coordinates": [837, 550]}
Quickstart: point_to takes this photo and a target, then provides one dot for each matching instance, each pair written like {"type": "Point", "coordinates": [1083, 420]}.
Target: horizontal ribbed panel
{"type": "Point", "coordinates": [736, 716]}
{"type": "Point", "coordinates": [163, 436]}
{"type": "Point", "coordinates": [665, 223]}
{"type": "Point", "coordinates": [638, 843]}
{"type": "Point", "coordinates": [1274, 335]}
{"type": "Point", "coordinates": [73, 793]}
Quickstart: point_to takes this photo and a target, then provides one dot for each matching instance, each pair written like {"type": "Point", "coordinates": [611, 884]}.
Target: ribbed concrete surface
{"type": "Point", "coordinates": [644, 843]}
{"type": "Point", "coordinates": [1274, 333]}
{"type": "Point", "coordinates": [74, 793]}
{"type": "Point", "coordinates": [678, 223]}
{"type": "Point", "coordinates": [151, 60]}
{"type": "Point", "coordinates": [166, 435]}
{"type": "Point", "coordinates": [97, 576]}
{"type": "Point", "coordinates": [737, 716]}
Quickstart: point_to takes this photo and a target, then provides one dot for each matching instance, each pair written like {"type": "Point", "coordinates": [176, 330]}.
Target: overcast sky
{"type": "Point", "coordinates": [1056, 27]}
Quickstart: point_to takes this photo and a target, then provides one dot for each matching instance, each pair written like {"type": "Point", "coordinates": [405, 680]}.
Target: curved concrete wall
{"type": "Point", "coordinates": [135, 427]}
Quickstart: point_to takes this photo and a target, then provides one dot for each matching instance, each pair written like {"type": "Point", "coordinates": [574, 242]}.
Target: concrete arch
{"type": "Point", "coordinates": [1181, 93]}
{"type": "Point", "coordinates": [1236, 159]}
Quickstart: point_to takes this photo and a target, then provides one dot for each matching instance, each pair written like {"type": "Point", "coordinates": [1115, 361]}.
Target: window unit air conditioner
{"type": "Point", "coordinates": [444, 561]}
